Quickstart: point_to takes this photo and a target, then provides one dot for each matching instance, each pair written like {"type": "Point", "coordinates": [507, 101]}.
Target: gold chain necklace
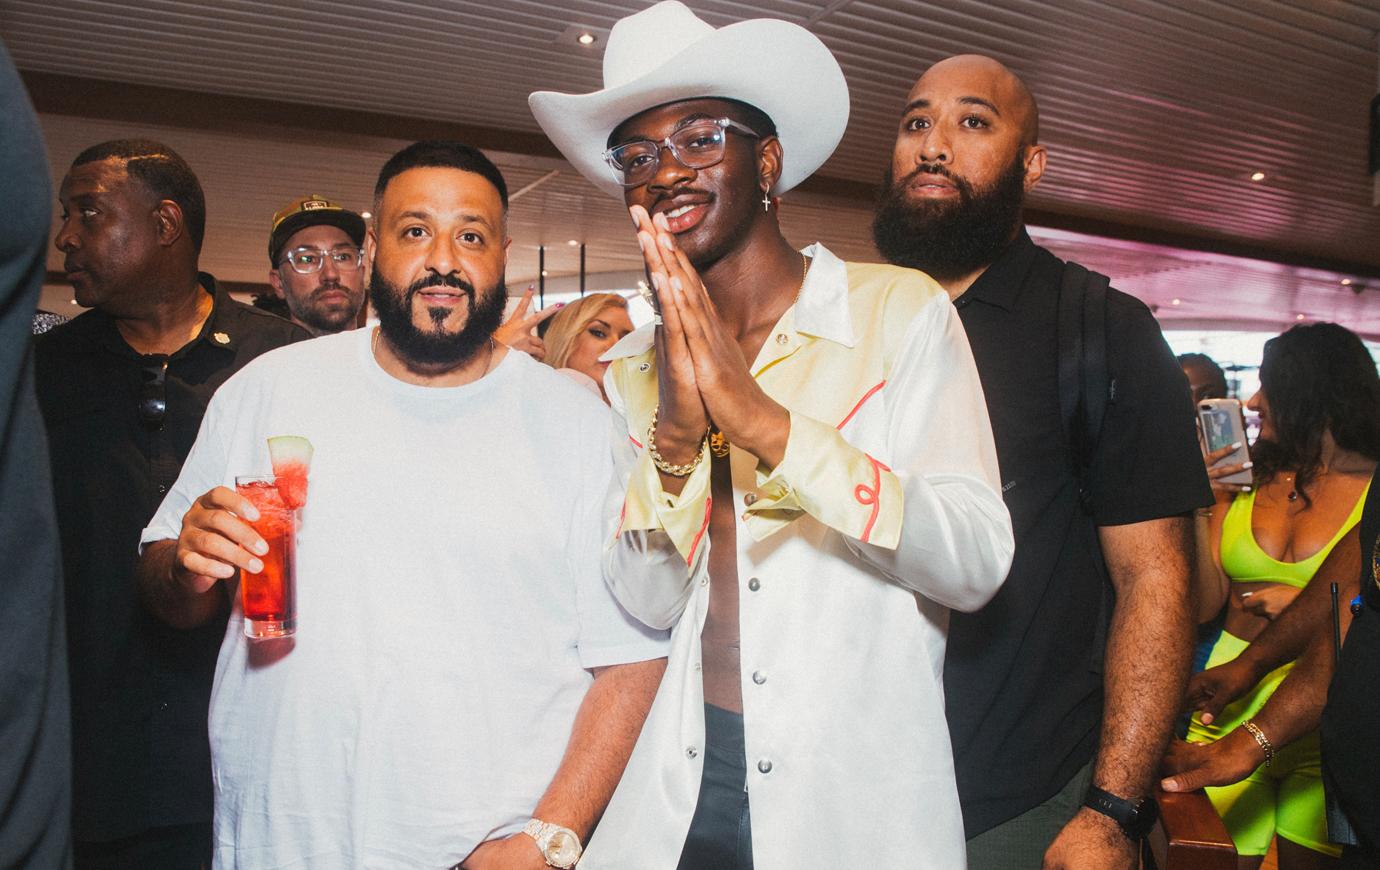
{"type": "Point", "coordinates": [718, 441]}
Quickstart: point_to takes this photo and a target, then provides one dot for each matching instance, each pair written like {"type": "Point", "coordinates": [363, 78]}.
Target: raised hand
{"type": "Point", "coordinates": [682, 419]}
{"type": "Point", "coordinates": [730, 395]}
{"type": "Point", "coordinates": [516, 331]}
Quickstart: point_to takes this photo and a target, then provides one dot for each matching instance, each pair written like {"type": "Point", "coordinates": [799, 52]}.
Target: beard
{"type": "Point", "coordinates": [436, 348]}
{"type": "Point", "coordinates": [948, 240]}
{"type": "Point", "coordinates": [320, 320]}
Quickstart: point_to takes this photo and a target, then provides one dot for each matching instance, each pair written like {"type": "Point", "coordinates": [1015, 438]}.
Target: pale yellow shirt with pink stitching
{"type": "Point", "coordinates": [884, 513]}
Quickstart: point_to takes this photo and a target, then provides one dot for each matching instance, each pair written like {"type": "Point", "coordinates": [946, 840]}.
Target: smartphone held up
{"type": "Point", "coordinates": [1223, 425]}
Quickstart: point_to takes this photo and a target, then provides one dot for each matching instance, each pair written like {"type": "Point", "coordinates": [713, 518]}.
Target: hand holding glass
{"type": "Point", "coordinates": [269, 597]}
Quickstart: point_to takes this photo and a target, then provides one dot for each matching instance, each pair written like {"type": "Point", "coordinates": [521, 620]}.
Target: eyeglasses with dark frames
{"type": "Point", "coordinates": [698, 145]}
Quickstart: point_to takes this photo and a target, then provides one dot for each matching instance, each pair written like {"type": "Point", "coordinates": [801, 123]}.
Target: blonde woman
{"type": "Point", "coordinates": [580, 333]}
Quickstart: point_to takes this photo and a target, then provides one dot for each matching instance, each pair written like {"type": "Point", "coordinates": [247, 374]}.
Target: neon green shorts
{"type": "Point", "coordinates": [1287, 797]}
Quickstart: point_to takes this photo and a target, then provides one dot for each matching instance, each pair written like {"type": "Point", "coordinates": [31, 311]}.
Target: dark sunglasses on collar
{"type": "Point", "coordinates": [153, 392]}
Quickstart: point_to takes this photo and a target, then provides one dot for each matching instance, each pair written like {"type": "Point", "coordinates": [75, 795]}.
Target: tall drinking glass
{"type": "Point", "coordinates": [269, 597]}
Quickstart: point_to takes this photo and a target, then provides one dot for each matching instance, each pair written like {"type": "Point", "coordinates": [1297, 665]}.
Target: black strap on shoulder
{"type": "Point", "coordinates": [1085, 384]}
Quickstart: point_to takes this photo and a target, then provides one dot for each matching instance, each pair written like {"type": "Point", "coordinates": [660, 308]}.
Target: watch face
{"type": "Point", "coordinates": [563, 848]}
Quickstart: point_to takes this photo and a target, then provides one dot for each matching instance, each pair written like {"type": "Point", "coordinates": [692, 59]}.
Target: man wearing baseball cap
{"type": "Point", "coordinates": [317, 266]}
{"type": "Point", "coordinates": [809, 479]}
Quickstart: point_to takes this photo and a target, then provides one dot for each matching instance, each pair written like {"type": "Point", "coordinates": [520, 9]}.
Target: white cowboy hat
{"type": "Point", "coordinates": [664, 54]}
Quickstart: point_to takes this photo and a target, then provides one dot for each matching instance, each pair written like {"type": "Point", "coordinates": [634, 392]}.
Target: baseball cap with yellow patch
{"type": "Point", "coordinates": [308, 211]}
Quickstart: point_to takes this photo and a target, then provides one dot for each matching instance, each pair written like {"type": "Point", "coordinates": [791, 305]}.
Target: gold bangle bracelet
{"type": "Point", "coordinates": [661, 464]}
{"type": "Point", "coordinates": [1265, 745]}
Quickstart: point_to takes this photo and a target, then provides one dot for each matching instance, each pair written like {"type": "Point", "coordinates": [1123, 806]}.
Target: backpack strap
{"type": "Point", "coordinates": [1085, 384]}
{"type": "Point", "coordinates": [1086, 389]}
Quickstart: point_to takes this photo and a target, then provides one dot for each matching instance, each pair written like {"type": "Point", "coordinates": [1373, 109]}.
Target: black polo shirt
{"type": "Point", "coordinates": [140, 688]}
{"type": "Point", "coordinates": [1023, 676]}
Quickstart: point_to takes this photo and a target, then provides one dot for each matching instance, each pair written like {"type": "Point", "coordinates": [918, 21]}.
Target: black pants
{"type": "Point", "coordinates": [720, 836]}
{"type": "Point", "coordinates": [179, 847]}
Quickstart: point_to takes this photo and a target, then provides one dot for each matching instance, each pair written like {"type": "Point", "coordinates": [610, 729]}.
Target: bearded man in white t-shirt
{"type": "Point", "coordinates": [462, 688]}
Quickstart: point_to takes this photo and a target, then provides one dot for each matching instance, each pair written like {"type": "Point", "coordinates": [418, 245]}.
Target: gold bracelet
{"type": "Point", "coordinates": [661, 464]}
{"type": "Point", "coordinates": [1261, 739]}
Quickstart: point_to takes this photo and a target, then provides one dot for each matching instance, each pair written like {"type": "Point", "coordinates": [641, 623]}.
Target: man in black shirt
{"type": "Point", "coordinates": [35, 760]}
{"type": "Point", "coordinates": [1040, 718]}
{"type": "Point", "coordinates": [123, 389]}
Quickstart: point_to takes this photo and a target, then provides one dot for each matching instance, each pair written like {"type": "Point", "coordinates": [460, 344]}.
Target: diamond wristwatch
{"type": "Point", "coordinates": [559, 846]}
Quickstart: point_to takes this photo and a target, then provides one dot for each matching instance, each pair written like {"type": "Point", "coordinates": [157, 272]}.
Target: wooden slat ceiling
{"type": "Point", "coordinates": [1155, 113]}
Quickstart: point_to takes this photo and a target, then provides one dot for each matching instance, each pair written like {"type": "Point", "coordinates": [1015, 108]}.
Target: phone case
{"type": "Point", "coordinates": [1221, 424]}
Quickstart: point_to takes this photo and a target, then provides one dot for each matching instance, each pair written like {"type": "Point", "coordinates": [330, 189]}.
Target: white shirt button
{"type": "Point", "coordinates": [750, 499]}
{"type": "Point", "coordinates": [764, 765]}
{"type": "Point", "coordinates": [758, 677]}
{"type": "Point", "coordinates": [782, 338]}
{"type": "Point", "coordinates": [754, 584]}
{"type": "Point", "coordinates": [704, 581]}
{"type": "Point", "coordinates": [691, 752]}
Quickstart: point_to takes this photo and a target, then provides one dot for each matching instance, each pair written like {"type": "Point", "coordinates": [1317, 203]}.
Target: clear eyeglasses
{"type": "Point", "coordinates": [696, 146]}
{"type": "Point", "coordinates": [308, 261]}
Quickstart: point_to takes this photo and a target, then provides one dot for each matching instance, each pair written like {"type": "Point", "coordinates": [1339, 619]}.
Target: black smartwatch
{"type": "Point", "coordinates": [1135, 818]}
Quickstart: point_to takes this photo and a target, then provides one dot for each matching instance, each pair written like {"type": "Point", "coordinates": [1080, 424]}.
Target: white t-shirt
{"type": "Point", "coordinates": [449, 602]}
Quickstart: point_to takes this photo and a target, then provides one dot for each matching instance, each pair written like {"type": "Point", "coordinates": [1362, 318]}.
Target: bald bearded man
{"type": "Point", "coordinates": [1061, 692]}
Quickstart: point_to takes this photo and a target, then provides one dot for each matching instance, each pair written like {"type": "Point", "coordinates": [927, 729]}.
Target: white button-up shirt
{"type": "Point", "coordinates": [884, 512]}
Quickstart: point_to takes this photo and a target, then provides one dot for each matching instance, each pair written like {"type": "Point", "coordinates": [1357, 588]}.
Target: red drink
{"type": "Point", "coordinates": [269, 597]}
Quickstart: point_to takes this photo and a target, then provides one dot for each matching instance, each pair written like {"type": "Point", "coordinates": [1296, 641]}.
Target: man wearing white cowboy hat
{"type": "Point", "coordinates": [804, 521]}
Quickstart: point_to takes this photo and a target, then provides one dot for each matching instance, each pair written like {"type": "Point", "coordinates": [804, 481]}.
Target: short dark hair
{"type": "Point", "coordinates": [163, 173]}
{"type": "Point", "coordinates": [1316, 378]}
{"type": "Point", "coordinates": [1217, 379]}
{"type": "Point", "coordinates": [760, 122]}
{"type": "Point", "coordinates": [442, 153]}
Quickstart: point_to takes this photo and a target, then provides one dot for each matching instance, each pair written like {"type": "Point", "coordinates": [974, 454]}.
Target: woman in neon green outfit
{"type": "Point", "coordinates": [1319, 407]}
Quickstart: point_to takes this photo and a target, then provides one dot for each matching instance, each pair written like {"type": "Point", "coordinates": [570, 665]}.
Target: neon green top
{"type": "Point", "coordinates": [1243, 560]}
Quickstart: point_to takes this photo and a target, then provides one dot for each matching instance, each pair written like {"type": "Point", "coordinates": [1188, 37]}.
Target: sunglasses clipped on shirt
{"type": "Point", "coordinates": [153, 391]}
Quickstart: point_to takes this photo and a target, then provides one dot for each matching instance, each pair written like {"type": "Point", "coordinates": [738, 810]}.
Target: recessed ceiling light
{"type": "Point", "coordinates": [1346, 282]}
{"type": "Point", "coordinates": [574, 243]}
{"type": "Point", "coordinates": [366, 215]}
{"type": "Point", "coordinates": [544, 273]}
{"type": "Point", "coordinates": [582, 37]}
{"type": "Point", "coordinates": [1174, 301]}
{"type": "Point", "coordinates": [1298, 316]}
{"type": "Point", "coordinates": [74, 302]}
{"type": "Point", "coordinates": [1257, 176]}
